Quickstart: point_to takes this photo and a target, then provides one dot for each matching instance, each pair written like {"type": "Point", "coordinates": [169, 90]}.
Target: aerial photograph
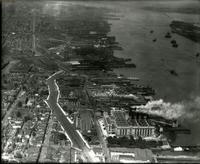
{"type": "Point", "coordinates": [100, 81]}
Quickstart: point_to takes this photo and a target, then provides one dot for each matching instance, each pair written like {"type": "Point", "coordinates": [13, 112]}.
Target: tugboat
{"type": "Point", "coordinates": [173, 72]}
{"type": "Point", "coordinates": [168, 35]}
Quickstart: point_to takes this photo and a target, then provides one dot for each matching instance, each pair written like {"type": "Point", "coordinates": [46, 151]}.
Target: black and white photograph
{"type": "Point", "coordinates": [100, 81]}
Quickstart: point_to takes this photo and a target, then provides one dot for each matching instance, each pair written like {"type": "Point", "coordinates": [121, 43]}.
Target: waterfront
{"type": "Point", "coordinates": [132, 31]}
{"type": "Point", "coordinates": [97, 38]}
{"type": "Point", "coordinates": [154, 59]}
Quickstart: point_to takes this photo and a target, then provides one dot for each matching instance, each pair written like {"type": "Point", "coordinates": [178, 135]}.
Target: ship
{"type": "Point", "coordinates": [154, 40]}
{"type": "Point", "coordinates": [151, 31]}
{"type": "Point", "coordinates": [175, 45]}
{"type": "Point", "coordinates": [173, 72]}
{"type": "Point", "coordinates": [168, 35]}
{"type": "Point", "coordinates": [173, 41]}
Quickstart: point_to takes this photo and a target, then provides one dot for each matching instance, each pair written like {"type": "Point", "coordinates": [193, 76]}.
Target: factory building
{"type": "Point", "coordinates": [120, 123]}
{"type": "Point", "coordinates": [131, 155]}
{"type": "Point", "coordinates": [84, 121]}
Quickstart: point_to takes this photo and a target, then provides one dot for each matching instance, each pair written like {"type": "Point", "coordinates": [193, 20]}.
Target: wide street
{"type": "Point", "coordinates": [72, 134]}
{"type": "Point", "coordinates": [103, 141]}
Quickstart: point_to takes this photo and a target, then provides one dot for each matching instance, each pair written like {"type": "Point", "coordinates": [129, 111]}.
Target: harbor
{"type": "Point", "coordinates": [100, 85]}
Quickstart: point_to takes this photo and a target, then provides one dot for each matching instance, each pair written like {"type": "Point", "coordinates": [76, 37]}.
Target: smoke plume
{"type": "Point", "coordinates": [182, 110]}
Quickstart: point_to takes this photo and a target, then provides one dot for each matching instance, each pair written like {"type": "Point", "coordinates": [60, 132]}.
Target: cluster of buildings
{"type": "Point", "coordinates": [117, 95]}
{"type": "Point", "coordinates": [8, 96]}
{"type": "Point", "coordinates": [23, 137]}
{"type": "Point", "coordinates": [56, 146]}
{"type": "Point", "coordinates": [27, 118]}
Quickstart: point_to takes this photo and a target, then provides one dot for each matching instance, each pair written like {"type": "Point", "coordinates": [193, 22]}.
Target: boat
{"type": "Point", "coordinates": [173, 41]}
{"type": "Point", "coordinates": [175, 45]}
{"type": "Point", "coordinates": [168, 35]}
{"type": "Point", "coordinates": [151, 31]}
{"type": "Point", "coordinates": [197, 54]}
{"type": "Point", "coordinates": [154, 40]}
{"type": "Point", "coordinates": [173, 72]}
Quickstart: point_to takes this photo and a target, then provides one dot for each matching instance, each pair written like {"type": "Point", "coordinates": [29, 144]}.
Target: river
{"type": "Point", "coordinates": [132, 31]}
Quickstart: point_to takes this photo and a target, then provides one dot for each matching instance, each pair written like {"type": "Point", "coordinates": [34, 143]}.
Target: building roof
{"type": "Point", "coordinates": [142, 122]}
{"type": "Point", "coordinates": [140, 154]}
{"type": "Point", "coordinates": [108, 120]}
{"type": "Point", "coordinates": [120, 118]}
{"type": "Point", "coordinates": [98, 150]}
{"type": "Point", "coordinates": [126, 157]}
{"type": "Point", "coordinates": [134, 122]}
{"type": "Point", "coordinates": [150, 122]}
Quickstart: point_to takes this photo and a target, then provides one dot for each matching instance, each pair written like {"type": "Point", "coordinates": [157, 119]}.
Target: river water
{"type": "Point", "coordinates": [132, 31]}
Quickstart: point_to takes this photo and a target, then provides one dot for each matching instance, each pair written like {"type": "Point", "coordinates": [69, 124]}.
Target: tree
{"type": "Point", "coordinates": [140, 142]}
{"type": "Point", "coordinates": [33, 133]}
{"type": "Point", "coordinates": [110, 140]}
{"type": "Point", "coordinates": [124, 141]}
{"type": "Point", "coordinates": [132, 140]}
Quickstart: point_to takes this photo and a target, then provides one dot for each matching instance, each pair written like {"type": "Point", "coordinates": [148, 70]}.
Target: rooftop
{"type": "Point", "coordinates": [120, 118]}
{"type": "Point", "coordinates": [108, 120]}
{"type": "Point", "coordinates": [126, 157]}
{"type": "Point", "coordinates": [140, 154]}
{"type": "Point", "coordinates": [134, 122]}
{"type": "Point", "coordinates": [142, 122]}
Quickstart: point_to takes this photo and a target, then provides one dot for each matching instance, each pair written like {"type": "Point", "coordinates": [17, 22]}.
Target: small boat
{"type": "Point", "coordinates": [168, 35]}
{"type": "Point", "coordinates": [173, 41]}
{"type": "Point", "coordinates": [173, 72]}
{"type": "Point", "coordinates": [175, 45]}
{"type": "Point", "coordinates": [154, 40]}
{"type": "Point", "coordinates": [197, 54]}
{"type": "Point", "coordinates": [151, 31]}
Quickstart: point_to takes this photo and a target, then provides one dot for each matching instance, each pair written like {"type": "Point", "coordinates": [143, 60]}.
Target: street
{"type": "Point", "coordinates": [72, 134]}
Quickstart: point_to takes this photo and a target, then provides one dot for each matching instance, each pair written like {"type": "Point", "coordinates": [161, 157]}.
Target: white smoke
{"type": "Point", "coordinates": [182, 110]}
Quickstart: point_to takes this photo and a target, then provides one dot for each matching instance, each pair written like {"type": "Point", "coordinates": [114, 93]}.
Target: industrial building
{"type": "Point", "coordinates": [121, 124]}
{"type": "Point", "coordinates": [130, 155]}
{"type": "Point", "coordinates": [84, 120]}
